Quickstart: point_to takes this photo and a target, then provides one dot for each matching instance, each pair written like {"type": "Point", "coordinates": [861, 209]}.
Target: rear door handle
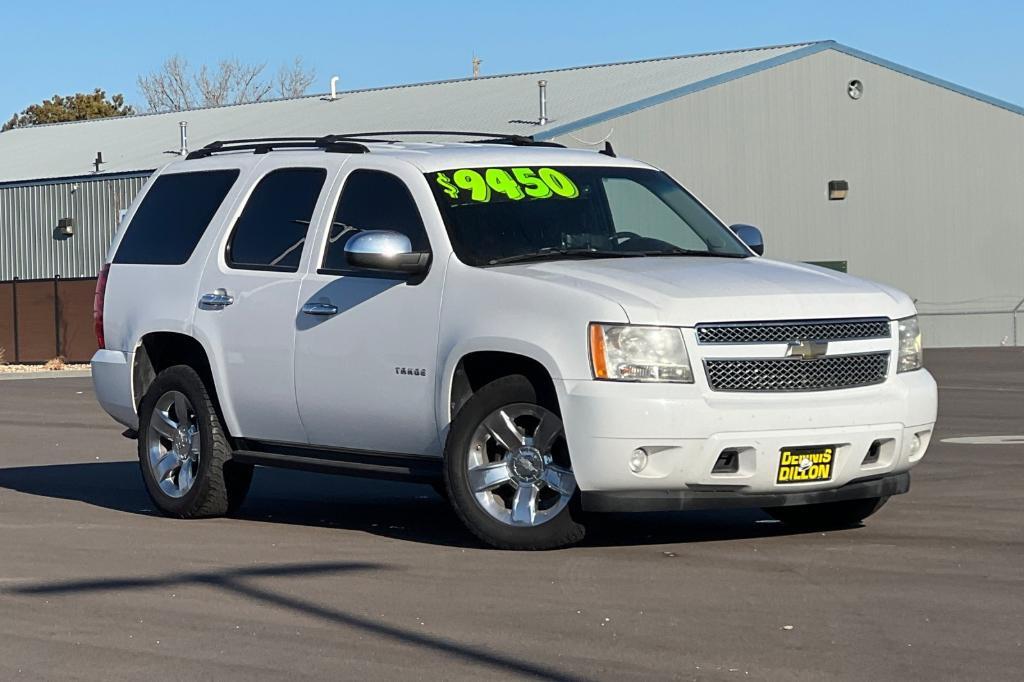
{"type": "Point", "coordinates": [218, 300]}
{"type": "Point", "coordinates": [320, 309]}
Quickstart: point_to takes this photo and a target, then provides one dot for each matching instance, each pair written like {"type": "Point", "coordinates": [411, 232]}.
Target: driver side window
{"type": "Point", "coordinates": [373, 200]}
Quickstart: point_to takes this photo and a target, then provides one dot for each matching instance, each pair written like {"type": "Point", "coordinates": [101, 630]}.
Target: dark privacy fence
{"type": "Point", "coordinates": [44, 319]}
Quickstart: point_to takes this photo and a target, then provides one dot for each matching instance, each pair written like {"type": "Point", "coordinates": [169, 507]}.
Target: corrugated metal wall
{"type": "Point", "coordinates": [29, 214]}
{"type": "Point", "coordinates": [935, 179]}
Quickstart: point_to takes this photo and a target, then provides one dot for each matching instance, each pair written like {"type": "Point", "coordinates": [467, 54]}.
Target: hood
{"type": "Point", "coordinates": [684, 291]}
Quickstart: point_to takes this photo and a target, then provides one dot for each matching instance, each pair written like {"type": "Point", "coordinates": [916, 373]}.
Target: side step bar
{"type": "Point", "coordinates": [419, 468]}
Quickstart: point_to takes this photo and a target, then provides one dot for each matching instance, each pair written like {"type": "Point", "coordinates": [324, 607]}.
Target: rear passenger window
{"type": "Point", "coordinates": [272, 229]}
{"type": "Point", "coordinates": [373, 200]}
{"type": "Point", "coordinates": [173, 217]}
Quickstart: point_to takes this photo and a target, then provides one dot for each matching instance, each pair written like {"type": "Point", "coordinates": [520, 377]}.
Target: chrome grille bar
{"type": "Point", "coordinates": [787, 331]}
{"type": "Point", "coordinates": [825, 373]}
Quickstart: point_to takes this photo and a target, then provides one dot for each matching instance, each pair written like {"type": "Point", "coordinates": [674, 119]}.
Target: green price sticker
{"type": "Point", "coordinates": [485, 185]}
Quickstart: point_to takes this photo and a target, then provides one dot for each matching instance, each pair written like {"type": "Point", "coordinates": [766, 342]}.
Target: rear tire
{"type": "Point", "coordinates": [531, 503]}
{"type": "Point", "coordinates": [845, 514]}
{"type": "Point", "coordinates": [184, 450]}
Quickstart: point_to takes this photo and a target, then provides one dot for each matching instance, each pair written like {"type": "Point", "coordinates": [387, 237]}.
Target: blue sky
{"type": "Point", "coordinates": [65, 47]}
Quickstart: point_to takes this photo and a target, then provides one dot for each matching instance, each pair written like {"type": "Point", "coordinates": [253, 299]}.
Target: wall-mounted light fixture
{"type": "Point", "coordinates": [855, 89]}
{"type": "Point", "coordinates": [65, 228]}
{"type": "Point", "coordinates": [838, 189]}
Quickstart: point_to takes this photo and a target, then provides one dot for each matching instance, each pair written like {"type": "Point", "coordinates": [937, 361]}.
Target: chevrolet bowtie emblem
{"type": "Point", "coordinates": [807, 349]}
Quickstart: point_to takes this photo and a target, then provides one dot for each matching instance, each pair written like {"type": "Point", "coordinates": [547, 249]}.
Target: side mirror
{"type": "Point", "coordinates": [751, 236]}
{"type": "Point", "coordinates": [386, 251]}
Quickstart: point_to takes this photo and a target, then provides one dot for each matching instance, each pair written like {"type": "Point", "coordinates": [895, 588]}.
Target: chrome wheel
{"type": "Point", "coordinates": [519, 469]}
{"type": "Point", "coordinates": [172, 444]}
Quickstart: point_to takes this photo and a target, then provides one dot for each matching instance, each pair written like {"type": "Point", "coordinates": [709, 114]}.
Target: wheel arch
{"type": "Point", "coordinates": [158, 350]}
{"type": "Point", "coordinates": [473, 365]}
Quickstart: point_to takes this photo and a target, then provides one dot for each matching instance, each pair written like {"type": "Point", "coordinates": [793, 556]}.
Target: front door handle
{"type": "Point", "coordinates": [320, 309]}
{"type": "Point", "coordinates": [218, 300]}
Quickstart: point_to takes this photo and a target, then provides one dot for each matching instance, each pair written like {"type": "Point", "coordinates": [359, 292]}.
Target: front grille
{"type": "Point", "coordinates": [784, 332]}
{"type": "Point", "coordinates": [829, 372]}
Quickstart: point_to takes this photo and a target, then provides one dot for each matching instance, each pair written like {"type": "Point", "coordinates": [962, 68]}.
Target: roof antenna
{"type": "Point", "coordinates": [608, 151]}
{"type": "Point", "coordinates": [542, 86]}
{"type": "Point", "coordinates": [476, 65]}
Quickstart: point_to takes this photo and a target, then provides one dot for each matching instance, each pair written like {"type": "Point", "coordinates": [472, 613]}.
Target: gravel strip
{"type": "Point", "coordinates": [33, 369]}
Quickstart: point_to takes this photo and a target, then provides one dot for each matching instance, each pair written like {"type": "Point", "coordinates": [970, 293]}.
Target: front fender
{"type": "Point", "coordinates": [514, 310]}
{"type": "Point", "coordinates": [485, 344]}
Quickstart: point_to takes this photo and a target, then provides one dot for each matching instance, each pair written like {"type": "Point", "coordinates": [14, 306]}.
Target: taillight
{"type": "Point", "coordinates": [97, 306]}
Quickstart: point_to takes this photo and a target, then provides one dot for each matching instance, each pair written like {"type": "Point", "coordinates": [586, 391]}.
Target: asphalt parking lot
{"type": "Point", "coordinates": [323, 577]}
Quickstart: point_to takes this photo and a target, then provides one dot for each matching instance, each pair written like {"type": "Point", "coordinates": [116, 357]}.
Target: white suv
{"type": "Point", "coordinates": [546, 331]}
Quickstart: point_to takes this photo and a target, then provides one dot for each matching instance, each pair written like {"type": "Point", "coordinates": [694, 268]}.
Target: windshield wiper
{"type": "Point", "coordinates": [676, 251]}
{"type": "Point", "coordinates": [551, 253]}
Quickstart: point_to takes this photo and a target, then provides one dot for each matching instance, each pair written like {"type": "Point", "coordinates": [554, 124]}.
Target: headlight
{"type": "Point", "coordinates": [911, 357]}
{"type": "Point", "coordinates": [634, 353]}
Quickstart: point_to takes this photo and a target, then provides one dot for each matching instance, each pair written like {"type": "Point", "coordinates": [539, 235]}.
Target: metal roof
{"type": "Point", "coordinates": [577, 97]}
{"type": "Point", "coordinates": [488, 103]}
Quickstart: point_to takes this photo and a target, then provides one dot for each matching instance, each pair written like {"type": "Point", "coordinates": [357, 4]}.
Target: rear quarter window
{"type": "Point", "coordinates": [173, 217]}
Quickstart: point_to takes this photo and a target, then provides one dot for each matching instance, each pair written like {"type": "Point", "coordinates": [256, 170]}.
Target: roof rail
{"type": "Point", "coordinates": [484, 138]}
{"type": "Point", "coordinates": [262, 145]}
{"type": "Point", "coordinates": [352, 143]}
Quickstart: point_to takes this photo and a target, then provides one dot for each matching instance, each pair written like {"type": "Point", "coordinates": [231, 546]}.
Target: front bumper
{"type": "Point", "coordinates": [877, 432]}
{"type": "Point", "coordinates": [686, 500]}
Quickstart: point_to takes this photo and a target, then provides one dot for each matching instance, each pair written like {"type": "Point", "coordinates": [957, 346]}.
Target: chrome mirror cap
{"type": "Point", "coordinates": [384, 243]}
{"type": "Point", "coordinates": [385, 251]}
{"type": "Point", "coordinates": [751, 236]}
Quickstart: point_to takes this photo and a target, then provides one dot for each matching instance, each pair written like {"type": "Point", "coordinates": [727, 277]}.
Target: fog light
{"type": "Point", "coordinates": [638, 460]}
{"type": "Point", "coordinates": [915, 444]}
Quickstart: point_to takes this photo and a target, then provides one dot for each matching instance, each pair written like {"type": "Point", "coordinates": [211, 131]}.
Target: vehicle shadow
{"type": "Point", "coordinates": [402, 511]}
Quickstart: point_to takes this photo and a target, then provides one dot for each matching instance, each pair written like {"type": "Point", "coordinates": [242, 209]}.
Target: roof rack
{"type": "Point", "coordinates": [353, 143]}
{"type": "Point", "coordinates": [263, 145]}
{"type": "Point", "coordinates": [483, 138]}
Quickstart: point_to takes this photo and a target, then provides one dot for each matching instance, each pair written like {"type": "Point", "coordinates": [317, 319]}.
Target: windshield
{"type": "Point", "coordinates": [506, 215]}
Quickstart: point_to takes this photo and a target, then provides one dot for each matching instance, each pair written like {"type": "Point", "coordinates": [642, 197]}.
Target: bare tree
{"type": "Point", "coordinates": [175, 86]}
{"type": "Point", "coordinates": [170, 87]}
{"type": "Point", "coordinates": [293, 80]}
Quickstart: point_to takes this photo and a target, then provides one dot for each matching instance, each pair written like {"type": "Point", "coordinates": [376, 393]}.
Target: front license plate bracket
{"type": "Point", "coordinates": [806, 464]}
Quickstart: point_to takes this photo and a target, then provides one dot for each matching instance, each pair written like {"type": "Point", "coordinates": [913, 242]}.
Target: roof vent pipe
{"type": "Point", "coordinates": [183, 130]}
{"type": "Point", "coordinates": [542, 85]}
{"type": "Point", "coordinates": [334, 87]}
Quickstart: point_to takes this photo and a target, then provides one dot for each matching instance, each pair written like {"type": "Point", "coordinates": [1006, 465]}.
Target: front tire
{"type": "Point", "coordinates": [828, 515]}
{"type": "Point", "coordinates": [184, 451]}
{"type": "Point", "coordinates": [507, 469]}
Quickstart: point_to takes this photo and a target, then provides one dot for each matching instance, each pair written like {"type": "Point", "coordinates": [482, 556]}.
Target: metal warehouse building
{"type": "Point", "coordinates": [767, 136]}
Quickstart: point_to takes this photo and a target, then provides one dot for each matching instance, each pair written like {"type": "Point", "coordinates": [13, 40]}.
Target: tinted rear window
{"type": "Point", "coordinates": [173, 217]}
{"type": "Point", "coordinates": [271, 231]}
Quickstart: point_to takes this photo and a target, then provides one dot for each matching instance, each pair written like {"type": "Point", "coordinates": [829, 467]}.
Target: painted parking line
{"type": "Point", "coordinates": [985, 440]}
